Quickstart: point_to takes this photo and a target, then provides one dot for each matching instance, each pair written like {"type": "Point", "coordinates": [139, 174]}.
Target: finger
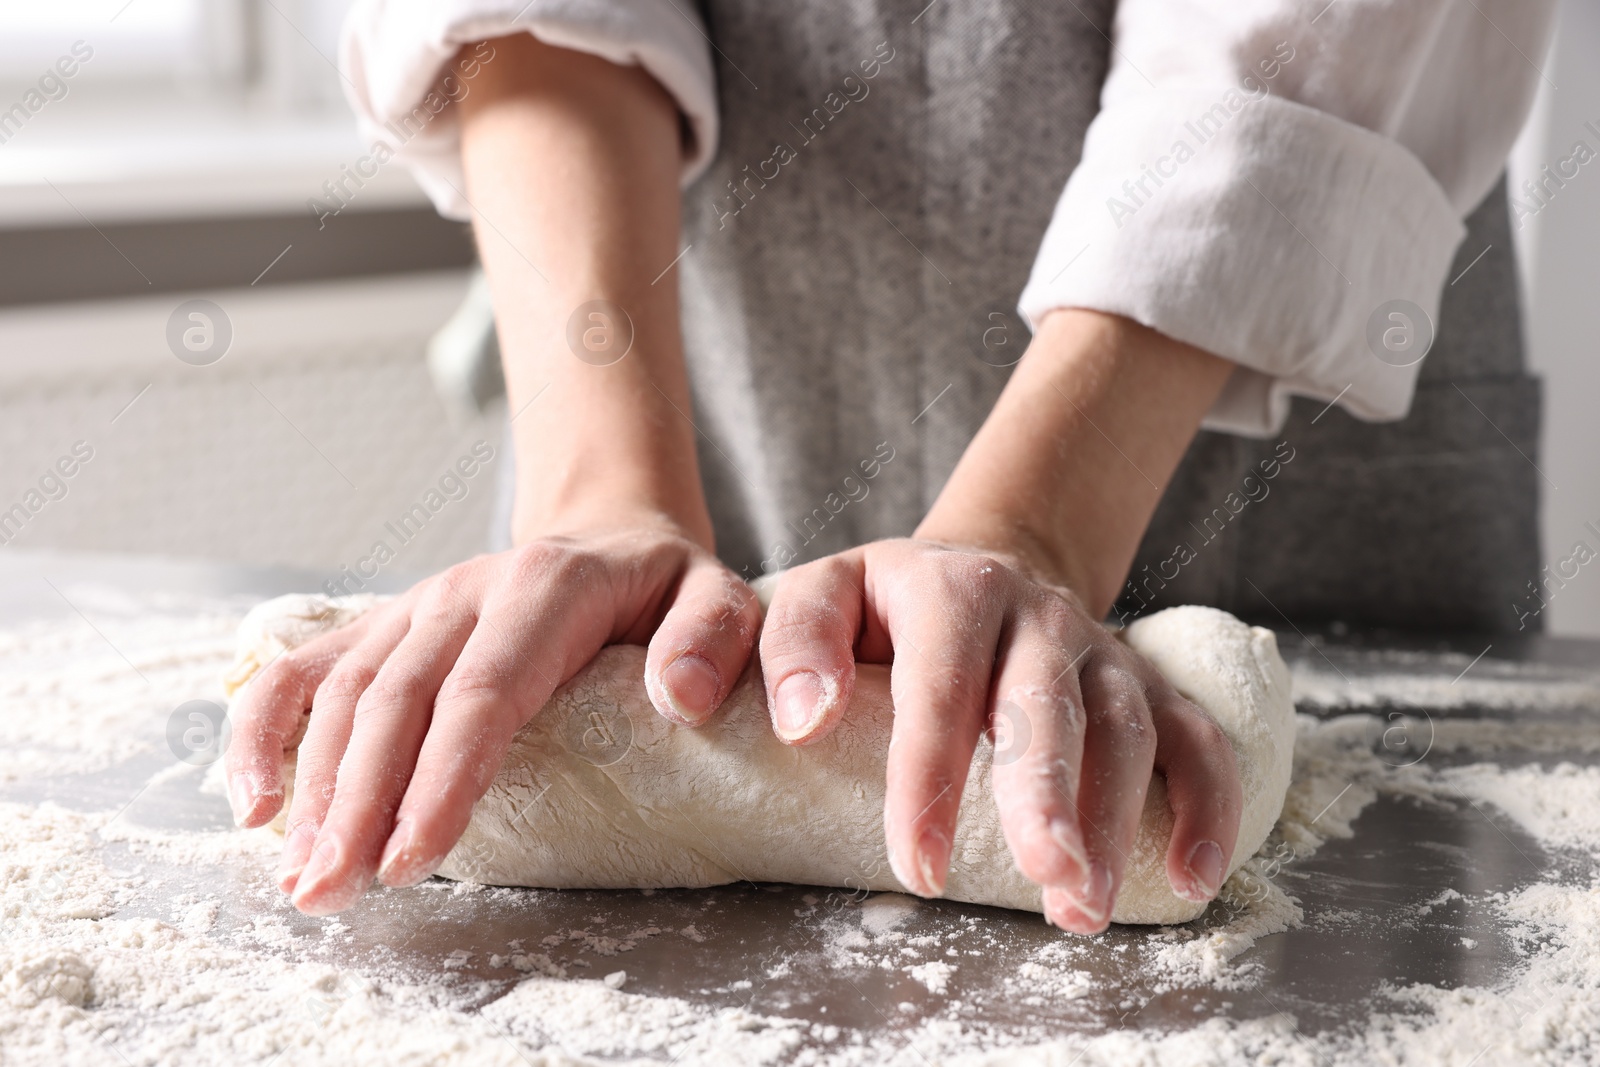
{"type": "Point", "coordinates": [327, 734]}
{"type": "Point", "coordinates": [808, 647]}
{"type": "Point", "coordinates": [538, 629]}
{"type": "Point", "coordinates": [940, 685]}
{"type": "Point", "coordinates": [1061, 909]}
{"type": "Point", "coordinates": [1203, 792]}
{"type": "Point", "coordinates": [1038, 723]}
{"type": "Point", "coordinates": [390, 721]}
{"type": "Point", "coordinates": [1119, 752]}
{"type": "Point", "coordinates": [703, 645]}
{"type": "Point", "coordinates": [267, 714]}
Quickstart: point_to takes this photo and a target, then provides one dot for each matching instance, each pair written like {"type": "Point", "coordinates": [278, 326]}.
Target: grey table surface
{"type": "Point", "coordinates": [1326, 976]}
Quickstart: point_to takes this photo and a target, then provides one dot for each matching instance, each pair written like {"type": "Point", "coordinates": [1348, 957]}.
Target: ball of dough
{"type": "Point", "coordinates": [600, 791]}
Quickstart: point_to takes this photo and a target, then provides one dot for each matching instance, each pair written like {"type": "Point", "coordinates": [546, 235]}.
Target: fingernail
{"type": "Point", "coordinates": [798, 705]}
{"type": "Point", "coordinates": [1062, 912]}
{"type": "Point", "coordinates": [933, 859]}
{"type": "Point", "coordinates": [1065, 835]}
{"type": "Point", "coordinates": [1095, 899]}
{"type": "Point", "coordinates": [400, 864]}
{"type": "Point", "coordinates": [296, 850]}
{"type": "Point", "coordinates": [319, 871]}
{"type": "Point", "coordinates": [324, 857]}
{"type": "Point", "coordinates": [1049, 901]}
{"type": "Point", "coordinates": [691, 684]}
{"type": "Point", "coordinates": [241, 798]}
{"type": "Point", "coordinates": [1206, 869]}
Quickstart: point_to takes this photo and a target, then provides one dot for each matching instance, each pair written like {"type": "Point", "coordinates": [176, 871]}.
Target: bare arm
{"type": "Point", "coordinates": [990, 616]}
{"type": "Point", "coordinates": [1072, 461]}
{"type": "Point", "coordinates": [572, 167]}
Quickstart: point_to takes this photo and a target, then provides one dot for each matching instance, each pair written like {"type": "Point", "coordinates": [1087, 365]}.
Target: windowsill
{"type": "Point", "coordinates": [165, 157]}
{"type": "Point", "coordinates": [53, 345]}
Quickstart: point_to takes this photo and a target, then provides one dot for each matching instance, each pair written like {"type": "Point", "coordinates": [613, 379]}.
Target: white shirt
{"type": "Point", "coordinates": [1329, 153]}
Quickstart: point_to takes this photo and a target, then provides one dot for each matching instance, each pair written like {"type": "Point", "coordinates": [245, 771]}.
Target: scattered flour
{"type": "Point", "coordinates": [934, 974]}
{"type": "Point", "coordinates": [1550, 1014]}
{"type": "Point", "coordinates": [1559, 805]}
{"type": "Point", "coordinates": [74, 705]}
{"type": "Point", "coordinates": [100, 961]}
{"type": "Point", "coordinates": [882, 912]}
{"type": "Point", "coordinates": [1394, 679]}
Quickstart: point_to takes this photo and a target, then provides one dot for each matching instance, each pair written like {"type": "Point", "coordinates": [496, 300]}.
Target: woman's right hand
{"type": "Point", "coordinates": [413, 706]}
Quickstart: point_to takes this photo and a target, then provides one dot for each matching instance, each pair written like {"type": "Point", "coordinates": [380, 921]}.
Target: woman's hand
{"type": "Point", "coordinates": [991, 619]}
{"type": "Point", "coordinates": [977, 642]}
{"type": "Point", "coordinates": [414, 705]}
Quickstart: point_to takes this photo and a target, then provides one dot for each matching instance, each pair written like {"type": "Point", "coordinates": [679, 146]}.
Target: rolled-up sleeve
{"type": "Point", "coordinates": [1263, 177]}
{"type": "Point", "coordinates": [402, 73]}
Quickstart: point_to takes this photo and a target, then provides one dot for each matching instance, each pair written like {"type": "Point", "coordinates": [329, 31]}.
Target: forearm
{"type": "Point", "coordinates": [572, 168]}
{"type": "Point", "coordinates": [1068, 468]}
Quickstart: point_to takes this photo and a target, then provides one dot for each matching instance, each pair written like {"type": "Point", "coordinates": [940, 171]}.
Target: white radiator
{"type": "Point", "coordinates": [317, 435]}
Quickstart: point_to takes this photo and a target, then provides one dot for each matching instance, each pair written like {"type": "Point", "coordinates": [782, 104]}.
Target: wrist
{"type": "Point", "coordinates": [599, 510]}
{"type": "Point", "coordinates": [571, 487]}
{"type": "Point", "coordinates": [1010, 542]}
{"type": "Point", "coordinates": [1068, 468]}
{"type": "Point", "coordinates": [606, 447]}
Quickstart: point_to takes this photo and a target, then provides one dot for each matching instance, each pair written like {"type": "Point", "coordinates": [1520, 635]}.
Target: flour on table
{"type": "Point", "coordinates": [101, 960]}
{"type": "Point", "coordinates": [935, 974]}
{"type": "Point", "coordinates": [1560, 804]}
{"type": "Point", "coordinates": [1399, 679]}
{"type": "Point", "coordinates": [115, 682]}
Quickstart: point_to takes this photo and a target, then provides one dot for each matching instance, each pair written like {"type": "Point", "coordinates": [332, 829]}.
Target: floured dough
{"type": "Point", "coordinates": [600, 791]}
{"type": "Point", "coordinates": [288, 622]}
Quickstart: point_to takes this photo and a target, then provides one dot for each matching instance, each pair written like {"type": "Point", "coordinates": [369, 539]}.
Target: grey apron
{"type": "Point", "coordinates": [858, 247]}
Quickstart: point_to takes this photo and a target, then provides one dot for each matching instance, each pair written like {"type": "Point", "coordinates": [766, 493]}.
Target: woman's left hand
{"type": "Point", "coordinates": [976, 639]}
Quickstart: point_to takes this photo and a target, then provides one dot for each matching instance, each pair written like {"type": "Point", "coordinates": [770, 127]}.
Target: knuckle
{"type": "Point", "coordinates": [964, 576]}
{"type": "Point", "coordinates": [469, 685]}
{"type": "Point", "coordinates": [738, 594]}
{"type": "Point", "coordinates": [661, 553]}
{"type": "Point", "coordinates": [1217, 753]}
{"type": "Point", "coordinates": [1210, 736]}
{"type": "Point", "coordinates": [716, 619]}
{"type": "Point", "coordinates": [988, 578]}
{"type": "Point", "coordinates": [343, 685]}
{"type": "Point", "coordinates": [287, 674]}
{"type": "Point", "coordinates": [303, 824]}
{"type": "Point", "coordinates": [1053, 772]}
{"type": "Point", "coordinates": [1123, 714]}
{"type": "Point", "coordinates": [1197, 727]}
{"type": "Point", "coordinates": [802, 629]}
{"type": "Point", "coordinates": [393, 688]}
{"type": "Point", "coordinates": [536, 559]}
{"type": "Point", "coordinates": [287, 668]}
{"type": "Point", "coordinates": [548, 560]}
{"type": "Point", "coordinates": [450, 590]}
{"type": "Point", "coordinates": [953, 688]}
{"type": "Point", "coordinates": [794, 619]}
{"type": "Point", "coordinates": [1050, 711]}
{"type": "Point", "coordinates": [1056, 616]}
{"type": "Point", "coordinates": [793, 640]}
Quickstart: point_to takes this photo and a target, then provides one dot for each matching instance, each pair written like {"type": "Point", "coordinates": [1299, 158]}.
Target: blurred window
{"type": "Point", "coordinates": [150, 41]}
{"type": "Point", "coordinates": [274, 53]}
{"type": "Point", "coordinates": [137, 109]}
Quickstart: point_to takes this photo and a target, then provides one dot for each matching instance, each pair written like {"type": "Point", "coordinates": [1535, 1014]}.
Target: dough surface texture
{"type": "Point", "coordinates": [600, 791]}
